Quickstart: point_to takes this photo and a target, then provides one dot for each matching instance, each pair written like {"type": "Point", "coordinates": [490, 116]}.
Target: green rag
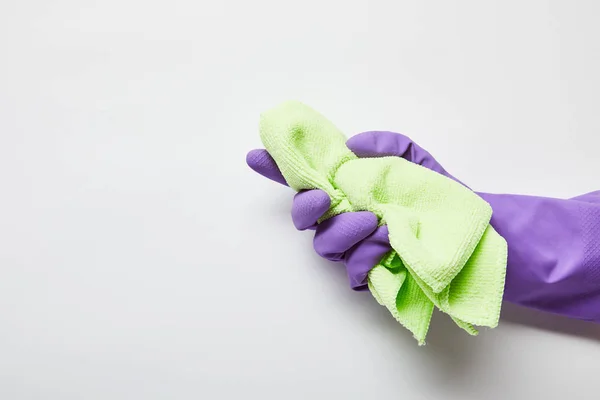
{"type": "Point", "coordinates": [445, 252]}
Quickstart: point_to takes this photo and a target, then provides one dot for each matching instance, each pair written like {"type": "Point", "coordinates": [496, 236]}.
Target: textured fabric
{"type": "Point", "coordinates": [395, 288]}
{"type": "Point", "coordinates": [439, 230]}
{"type": "Point", "coordinates": [554, 244]}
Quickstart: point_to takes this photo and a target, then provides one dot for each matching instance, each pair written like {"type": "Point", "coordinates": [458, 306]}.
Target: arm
{"type": "Point", "coordinates": [554, 244]}
{"type": "Point", "coordinates": [553, 252]}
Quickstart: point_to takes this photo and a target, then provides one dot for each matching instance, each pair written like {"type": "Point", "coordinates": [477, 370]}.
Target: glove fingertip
{"type": "Point", "coordinates": [259, 160]}
{"type": "Point", "coordinates": [378, 144]}
{"type": "Point", "coordinates": [308, 207]}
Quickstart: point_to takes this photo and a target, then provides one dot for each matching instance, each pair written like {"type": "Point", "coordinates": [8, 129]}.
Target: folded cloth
{"type": "Point", "coordinates": [445, 252]}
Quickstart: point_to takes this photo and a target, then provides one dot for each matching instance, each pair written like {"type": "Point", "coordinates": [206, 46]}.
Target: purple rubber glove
{"type": "Point", "coordinates": [553, 244]}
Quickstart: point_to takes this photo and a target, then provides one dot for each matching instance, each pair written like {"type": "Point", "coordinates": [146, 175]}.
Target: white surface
{"type": "Point", "coordinates": [141, 259]}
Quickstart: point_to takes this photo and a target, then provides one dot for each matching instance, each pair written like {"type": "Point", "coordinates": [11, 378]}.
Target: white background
{"type": "Point", "coordinates": [141, 259]}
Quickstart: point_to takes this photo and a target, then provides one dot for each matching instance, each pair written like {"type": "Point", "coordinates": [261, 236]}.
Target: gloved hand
{"type": "Point", "coordinates": [553, 244]}
{"type": "Point", "coordinates": [353, 238]}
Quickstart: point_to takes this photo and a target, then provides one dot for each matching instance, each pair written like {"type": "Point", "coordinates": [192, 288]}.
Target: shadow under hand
{"type": "Point", "coordinates": [448, 361]}
{"type": "Point", "coordinates": [452, 355]}
{"type": "Point", "coordinates": [512, 313]}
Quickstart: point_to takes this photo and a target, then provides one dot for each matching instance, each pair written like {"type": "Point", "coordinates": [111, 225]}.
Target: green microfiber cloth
{"type": "Point", "coordinates": [445, 251]}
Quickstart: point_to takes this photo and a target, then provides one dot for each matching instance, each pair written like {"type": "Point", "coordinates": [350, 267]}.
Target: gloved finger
{"type": "Point", "coordinates": [261, 161]}
{"type": "Point", "coordinates": [382, 144]}
{"type": "Point", "coordinates": [308, 207]}
{"type": "Point", "coordinates": [338, 234]}
{"type": "Point", "coordinates": [361, 258]}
